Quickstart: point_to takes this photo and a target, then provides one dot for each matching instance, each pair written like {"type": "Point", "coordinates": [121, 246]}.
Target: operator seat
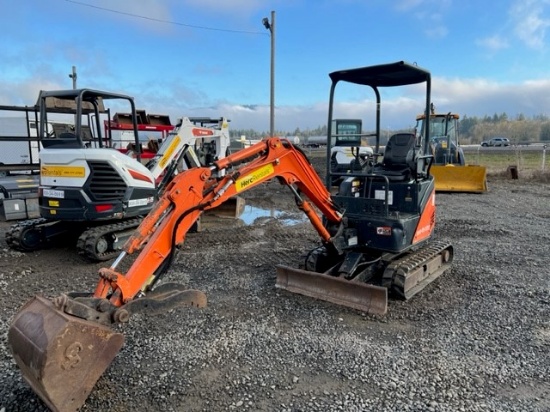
{"type": "Point", "coordinates": [399, 162]}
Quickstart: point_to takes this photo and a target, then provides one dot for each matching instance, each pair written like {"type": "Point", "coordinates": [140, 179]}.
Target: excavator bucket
{"type": "Point", "coordinates": [60, 356]}
{"type": "Point", "coordinates": [362, 296]}
{"type": "Point", "coordinates": [466, 179]}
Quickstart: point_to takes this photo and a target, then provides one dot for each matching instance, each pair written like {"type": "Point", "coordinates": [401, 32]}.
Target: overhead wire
{"type": "Point", "coordinates": [163, 21]}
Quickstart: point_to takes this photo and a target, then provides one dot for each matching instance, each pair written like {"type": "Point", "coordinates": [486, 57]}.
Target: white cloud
{"type": "Point", "coordinates": [437, 31]}
{"type": "Point", "coordinates": [430, 13]}
{"type": "Point", "coordinates": [479, 97]}
{"type": "Point", "coordinates": [531, 21]}
{"type": "Point", "coordinates": [472, 97]}
{"type": "Point", "coordinates": [406, 5]}
{"type": "Point", "coordinates": [493, 43]}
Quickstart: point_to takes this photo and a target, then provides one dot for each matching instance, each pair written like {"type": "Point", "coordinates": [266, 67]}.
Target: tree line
{"type": "Point", "coordinates": [472, 129]}
{"type": "Point", "coordinates": [521, 130]}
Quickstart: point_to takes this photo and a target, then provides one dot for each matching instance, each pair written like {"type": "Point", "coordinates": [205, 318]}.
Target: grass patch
{"type": "Point", "coordinates": [525, 161]}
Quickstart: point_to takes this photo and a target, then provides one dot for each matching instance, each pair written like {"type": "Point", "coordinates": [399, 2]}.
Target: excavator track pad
{"type": "Point", "coordinates": [407, 276]}
{"type": "Point", "coordinates": [353, 294]}
{"type": "Point", "coordinates": [60, 356]}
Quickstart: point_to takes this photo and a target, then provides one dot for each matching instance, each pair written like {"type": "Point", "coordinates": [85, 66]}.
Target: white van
{"type": "Point", "coordinates": [24, 152]}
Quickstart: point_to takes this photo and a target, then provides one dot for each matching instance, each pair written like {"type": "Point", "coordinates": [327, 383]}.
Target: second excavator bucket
{"type": "Point", "coordinates": [231, 208]}
{"type": "Point", "coordinates": [465, 179]}
{"type": "Point", "coordinates": [60, 356]}
{"type": "Point", "coordinates": [353, 294]}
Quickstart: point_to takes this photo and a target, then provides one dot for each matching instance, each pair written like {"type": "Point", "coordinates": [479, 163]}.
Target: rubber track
{"type": "Point", "coordinates": [411, 262]}
{"type": "Point", "coordinates": [86, 244]}
{"type": "Point", "coordinates": [13, 235]}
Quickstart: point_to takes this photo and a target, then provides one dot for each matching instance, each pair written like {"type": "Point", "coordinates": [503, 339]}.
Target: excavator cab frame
{"type": "Point", "coordinates": [83, 103]}
{"type": "Point", "coordinates": [388, 205]}
{"type": "Point", "coordinates": [379, 77]}
{"type": "Point", "coordinates": [392, 190]}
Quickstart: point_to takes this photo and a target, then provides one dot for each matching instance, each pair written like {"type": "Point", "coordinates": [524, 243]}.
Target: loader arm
{"type": "Point", "coordinates": [193, 192]}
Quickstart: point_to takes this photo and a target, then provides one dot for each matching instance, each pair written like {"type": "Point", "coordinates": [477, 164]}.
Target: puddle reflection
{"type": "Point", "coordinates": [251, 213]}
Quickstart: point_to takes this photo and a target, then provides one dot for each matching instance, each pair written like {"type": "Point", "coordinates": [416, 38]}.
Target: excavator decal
{"type": "Point", "coordinates": [168, 155]}
{"type": "Point", "coordinates": [261, 173]}
{"type": "Point", "coordinates": [140, 176]}
{"type": "Point", "coordinates": [202, 132]}
{"type": "Point", "coordinates": [63, 171]}
{"type": "Point", "coordinates": [141, 202]}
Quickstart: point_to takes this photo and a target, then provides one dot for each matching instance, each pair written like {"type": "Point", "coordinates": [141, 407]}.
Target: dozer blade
{"type": "Point", "coordinates": [357, 295]}
{"type": "Point", "coordinates": [466, 179]}
{"type": "Point", "coordinates": [60, 356]}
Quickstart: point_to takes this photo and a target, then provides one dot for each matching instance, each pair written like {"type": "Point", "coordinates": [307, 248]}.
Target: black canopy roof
{"type": "Point", "coordinates": [391, 74]}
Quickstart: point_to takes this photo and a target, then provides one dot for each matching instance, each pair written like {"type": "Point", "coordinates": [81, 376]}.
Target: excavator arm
{"type": "Point", "coordinates": [193, 192]}
{"type": "Point", "coordinates": [62, 346]}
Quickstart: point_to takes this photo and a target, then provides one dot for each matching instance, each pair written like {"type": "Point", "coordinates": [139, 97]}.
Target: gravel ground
{"type": "Point", "coordinates": [477, 339]}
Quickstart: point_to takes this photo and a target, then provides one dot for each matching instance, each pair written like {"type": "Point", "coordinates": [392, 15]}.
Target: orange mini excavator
{"type": "Point", "coordinates": [375, 233]}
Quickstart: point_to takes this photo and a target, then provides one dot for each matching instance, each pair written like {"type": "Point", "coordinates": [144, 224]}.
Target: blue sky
{"type": "Point", "coordinates": [212, 57]}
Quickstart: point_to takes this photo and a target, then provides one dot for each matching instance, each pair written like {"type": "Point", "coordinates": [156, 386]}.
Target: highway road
{"type": "Point", "coordinates": [523, 148]}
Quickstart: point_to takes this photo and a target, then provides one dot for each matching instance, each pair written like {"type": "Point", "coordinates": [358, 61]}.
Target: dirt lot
{"type": "Point", "coordinates": [477, 339]}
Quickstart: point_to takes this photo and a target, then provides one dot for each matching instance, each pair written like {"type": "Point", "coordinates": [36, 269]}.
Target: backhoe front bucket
{"type": "Point", "coordinates": [466, 179]}
{"type": "Point", "coordinates": [60, 356]}
{"type": "Point", "coordinates": [353, 294]}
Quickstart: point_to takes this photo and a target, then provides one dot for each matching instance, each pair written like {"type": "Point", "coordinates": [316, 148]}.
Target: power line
{"type": "Point", "coordinates": [163, 21]}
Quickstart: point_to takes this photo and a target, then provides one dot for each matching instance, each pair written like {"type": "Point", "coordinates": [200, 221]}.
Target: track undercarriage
{"type": "Point", "coordinates": [96, 243]}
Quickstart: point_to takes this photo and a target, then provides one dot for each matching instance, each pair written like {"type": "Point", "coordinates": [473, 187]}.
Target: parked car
{"type": "Point", "coordinates": [495, 142]}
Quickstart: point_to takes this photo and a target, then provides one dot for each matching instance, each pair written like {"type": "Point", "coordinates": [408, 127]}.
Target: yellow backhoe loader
{"type": "Point", "coordinates": [449, 167]}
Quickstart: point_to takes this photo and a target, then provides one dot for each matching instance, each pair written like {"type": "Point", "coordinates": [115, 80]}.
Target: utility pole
{"type": "Point", "coordinates": [73, 76]}
{"type": "Point", "coordinates": [271, 27]}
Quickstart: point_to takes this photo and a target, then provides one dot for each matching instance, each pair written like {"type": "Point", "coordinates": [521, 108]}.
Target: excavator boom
{"type": "Point", "coordinates": [193, 192]}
